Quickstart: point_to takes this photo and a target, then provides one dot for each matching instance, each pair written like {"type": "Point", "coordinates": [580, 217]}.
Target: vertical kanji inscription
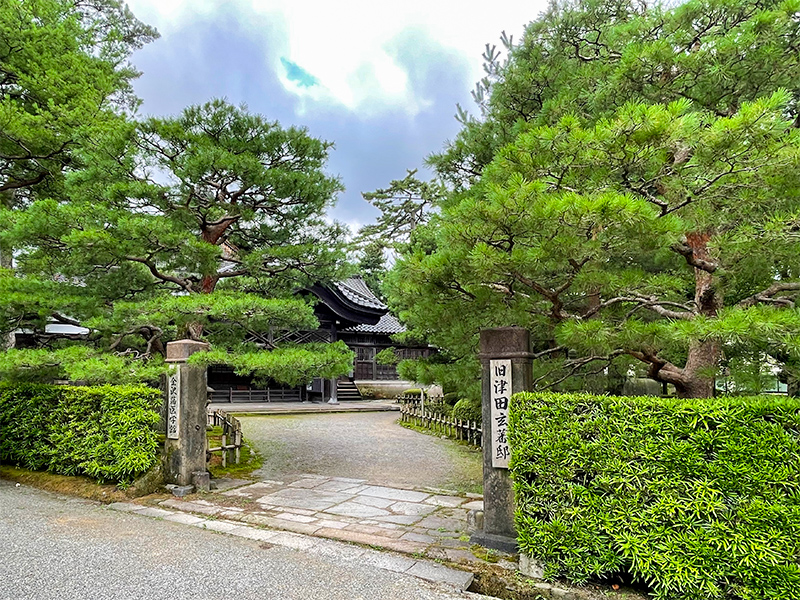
{"type": "Point", "coordinates": [500, 382]}
{"type": "Point", "coordinates": [174, 405]}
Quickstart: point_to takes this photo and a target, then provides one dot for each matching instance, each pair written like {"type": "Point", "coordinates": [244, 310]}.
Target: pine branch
{"type": "Point", "coordinates": [182, 283]}
{"type": "Point", "coordinates": [768, 295]}
{"type": "Point", "coordinates": [687, 252]}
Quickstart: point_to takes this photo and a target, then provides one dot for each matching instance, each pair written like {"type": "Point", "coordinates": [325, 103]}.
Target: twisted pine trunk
{"type": "Point", "coordinates": [697, 380]}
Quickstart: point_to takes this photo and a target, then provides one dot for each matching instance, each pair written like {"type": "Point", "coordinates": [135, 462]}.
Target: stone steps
{"type": "Point", "coordinates": [347, 391]}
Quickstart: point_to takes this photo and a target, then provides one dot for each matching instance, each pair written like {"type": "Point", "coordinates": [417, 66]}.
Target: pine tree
{"type": "Point", "coordinates": [629, 193]}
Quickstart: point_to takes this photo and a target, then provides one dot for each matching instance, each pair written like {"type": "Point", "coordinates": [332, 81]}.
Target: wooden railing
{"type": "Point", "coordinates": [231, 432]}
{"type": "Point", "coordinates": [457, 429]}
{"type": "Point", "coordinates": [251, 395]}
{"type": "Point", "coordinates": [412, 400]}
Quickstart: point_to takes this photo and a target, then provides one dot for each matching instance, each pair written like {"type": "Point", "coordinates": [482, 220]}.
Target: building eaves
{"type": "Point", "coordinates": [388, 325]}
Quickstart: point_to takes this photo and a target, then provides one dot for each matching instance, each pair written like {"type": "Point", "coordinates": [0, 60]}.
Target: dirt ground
{"type": "Point", "coordinates": [371, 446]}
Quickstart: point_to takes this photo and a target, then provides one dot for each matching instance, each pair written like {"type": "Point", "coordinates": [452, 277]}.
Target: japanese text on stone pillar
{"type": "Point", "coordinates": [500, 393]}
{"type": "Point", "coordinates": [174, 405]}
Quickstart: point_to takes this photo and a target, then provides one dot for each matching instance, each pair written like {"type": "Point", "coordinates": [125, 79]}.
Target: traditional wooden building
{"type": "Point", "coordinates": [347, 311]}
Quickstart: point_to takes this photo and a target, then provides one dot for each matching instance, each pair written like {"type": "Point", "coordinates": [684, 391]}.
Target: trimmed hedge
{"type": "Point", "coordinates": [451, 398]}
{"type": "Point", "coordinates": [467, 409]}
{"type": "Point", "coordinates": [696, 498]}
{"type": "Point", "coordinates": [104, 432]}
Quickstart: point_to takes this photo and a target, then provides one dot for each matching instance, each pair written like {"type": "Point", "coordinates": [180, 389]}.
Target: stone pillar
{"type": "Point", "coordinates": [187, 395]}
{"type": "Point", "coordinates": [334, 399]}
{"type": "Point", "coordinates": [506, 369]}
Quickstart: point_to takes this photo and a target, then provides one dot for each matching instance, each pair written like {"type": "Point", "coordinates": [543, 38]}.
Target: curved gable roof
{"type": "Point", "coordinates": [351, 300]}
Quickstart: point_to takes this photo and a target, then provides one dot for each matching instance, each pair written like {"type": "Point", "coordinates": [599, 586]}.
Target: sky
{"type": "Point", "coordinates": [380, 80]}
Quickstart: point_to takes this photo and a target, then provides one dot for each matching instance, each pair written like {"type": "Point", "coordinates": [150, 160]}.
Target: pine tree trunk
{"type": "Point", "coordinates": [5, 257]}
{"type": "Point", "coordinates": [696, 379]}
{"type": "Point", "coordinates": [701, 363]}
{"type": "Point", "coordinates": [194, 331]}
{"type": "Point", "coordinates": [791, 372]}
{"type": "Point", "coordinates": [7, 200]}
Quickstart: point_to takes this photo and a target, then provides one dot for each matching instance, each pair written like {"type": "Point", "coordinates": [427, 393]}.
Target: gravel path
{"type": "Point", "coordinates": [369, 446]}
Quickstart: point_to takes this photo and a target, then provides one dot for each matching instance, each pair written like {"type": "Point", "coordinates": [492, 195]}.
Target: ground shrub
{"type": "Point", "coordinates": [696, 498]}
{"type": "Point", "coordinates": [438, 408]}
{"type": "Point", "coordinates": [104, 432]}
{"type": "Point", "coordinates": [413, 392]}
{"type": "Point", "coordinates": [467, 409]}
{"type": "Point", "coordinates": [450, 398]}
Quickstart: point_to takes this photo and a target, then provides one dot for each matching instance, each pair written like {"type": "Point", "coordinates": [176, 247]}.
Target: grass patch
{"type": "Point", "coordinates": [426, 431]}
{"type": "Point", "coordinates": [249, 459]}
{"type": "Point", "coordinates": [72, 485]}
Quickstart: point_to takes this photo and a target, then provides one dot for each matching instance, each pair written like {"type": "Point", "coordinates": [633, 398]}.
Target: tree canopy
{"type": "Point", "coordinates": [629, 193]}
{"type": "Point", "coordinates": [202, 225]}
{"type": "Point", "coordinates": [65, 79]}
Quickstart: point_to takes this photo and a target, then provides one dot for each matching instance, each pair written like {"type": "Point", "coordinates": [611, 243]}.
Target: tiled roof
{"type": "Point", "coordinates": [388, 324]}
{"type": "Point", "coordinates": [355, 290]}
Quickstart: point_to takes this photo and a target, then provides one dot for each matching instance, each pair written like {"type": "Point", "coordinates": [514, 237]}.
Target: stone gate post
{"type": "Point", "coordinates": [185, 446]}
{"type": "Point", "coordinates": [506, 369]}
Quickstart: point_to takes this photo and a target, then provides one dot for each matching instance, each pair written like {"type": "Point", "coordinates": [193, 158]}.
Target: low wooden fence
{"type": "Point", "coordinates": [250, 395]}
{"type": "Point", "coordinates": [413, 400]}
{"type": "Point", "coordinates": [457, 429]}
{"type": "Point", "coordinates": [231, 436]}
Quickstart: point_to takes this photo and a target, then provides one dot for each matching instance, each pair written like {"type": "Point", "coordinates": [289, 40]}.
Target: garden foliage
{"type": "Point", "coordinates": [697, 499]}
{"type": "Point", "coordinates": [629, 193]}
{"type": "Point", "coordinates": [104, 432]}
{"type": "Point", "coordinates": [467, 409]}
{"type": "Point", "coordinates": [135, 233]}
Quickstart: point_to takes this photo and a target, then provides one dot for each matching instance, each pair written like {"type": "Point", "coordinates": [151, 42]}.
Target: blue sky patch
{"type": "Point", "coordinates": [298, 74]}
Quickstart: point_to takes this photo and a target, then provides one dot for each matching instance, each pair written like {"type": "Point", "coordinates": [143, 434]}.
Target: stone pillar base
{"type": "Point", "coordinates": [503, 543]}
{"type": "Point", "coordinates": [530, 567]}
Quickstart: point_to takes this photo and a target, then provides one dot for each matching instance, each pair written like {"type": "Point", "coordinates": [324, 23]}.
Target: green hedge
{"type": "Point", "coordinates": [467, 409]}
{"type": "Point", "coordinates": [451, 398]}
{"type": "Point", "coordinates": [104, 432]}
{"type": "Point", "coordinates": [696, 498]}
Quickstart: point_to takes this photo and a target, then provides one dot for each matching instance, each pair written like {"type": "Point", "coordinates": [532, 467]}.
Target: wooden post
{"type": "Point", "coordinates": [224, 451]}
{"type": "Point", "coordinates": [238, 445]}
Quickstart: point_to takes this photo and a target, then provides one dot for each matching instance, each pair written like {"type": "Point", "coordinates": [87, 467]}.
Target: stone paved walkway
{"type": "Point", "coordinates": [423, 569]}
{"type": "Point", "coordinates": [424, 522]}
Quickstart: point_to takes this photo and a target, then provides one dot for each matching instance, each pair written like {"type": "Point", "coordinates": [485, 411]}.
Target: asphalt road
{"type": "Point", "coordinates": [371, 446]}
{"type": "Point", "coordinates": [60, 548]}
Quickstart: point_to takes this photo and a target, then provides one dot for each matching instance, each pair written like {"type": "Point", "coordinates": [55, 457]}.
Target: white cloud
{"type": "Point", "coordinates": [344, 44]}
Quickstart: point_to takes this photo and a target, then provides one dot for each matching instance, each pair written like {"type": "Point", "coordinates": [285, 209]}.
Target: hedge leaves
{"type": "Point", "coordinates": [695, 498]}
{"type": "Point", "coordinates": [104, 432]}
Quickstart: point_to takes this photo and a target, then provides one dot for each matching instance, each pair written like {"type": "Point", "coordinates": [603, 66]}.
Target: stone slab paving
{"type": "Point", "coordinates": [417, 567]}
{"type": "Point", "coordinates": [424, 522]}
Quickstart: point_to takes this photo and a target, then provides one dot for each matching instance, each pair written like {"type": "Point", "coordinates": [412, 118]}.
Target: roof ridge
{"type": "Point", "coordinates": [356, 286]}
